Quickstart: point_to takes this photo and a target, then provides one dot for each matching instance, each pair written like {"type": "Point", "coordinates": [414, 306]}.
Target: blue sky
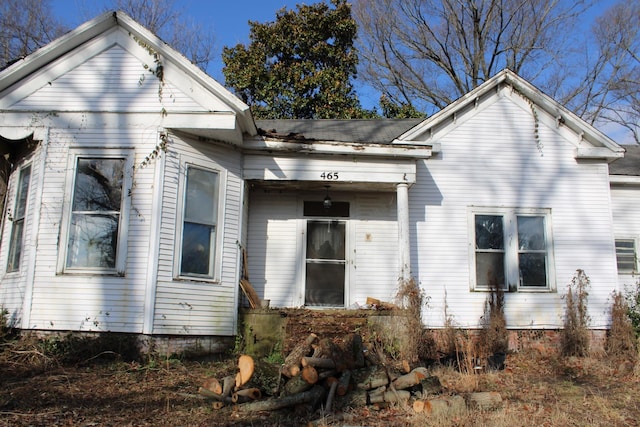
{"type": "Point", "coordinates": [228, 19]}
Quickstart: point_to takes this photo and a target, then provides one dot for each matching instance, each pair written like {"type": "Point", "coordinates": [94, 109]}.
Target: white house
{"type": "Point", "coordinates": [137, 181]}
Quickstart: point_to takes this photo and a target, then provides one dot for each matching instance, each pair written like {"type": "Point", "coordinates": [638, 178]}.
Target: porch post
{"type": "Point", "coordinates": [404, 248]}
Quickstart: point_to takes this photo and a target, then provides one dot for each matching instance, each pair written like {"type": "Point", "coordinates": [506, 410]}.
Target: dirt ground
{"type": "Point", "coordinates": [537, 390]}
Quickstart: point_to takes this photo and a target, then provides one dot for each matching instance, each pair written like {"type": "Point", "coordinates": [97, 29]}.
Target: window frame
{"type": "Point", "coordinates": [511, 248]}
{"type": "Point", "coordinates": [125, 206]}
{"type": "Point", "coordinates": [216, 257]}
{"type": "Point", "coordinates": [14, 267]}
{"type": "Point", "coordinates": [635, 254]}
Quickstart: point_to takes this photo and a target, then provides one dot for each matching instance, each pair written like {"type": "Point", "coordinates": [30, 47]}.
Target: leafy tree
{"type": "Point", "coordinates": [398, 110]}
{"type": "Point", "coordinates": [299, 66]}
{"type": "Point", "coordinates": [24, 27]}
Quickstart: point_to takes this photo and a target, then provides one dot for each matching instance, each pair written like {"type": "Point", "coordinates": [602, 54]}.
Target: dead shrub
{"type": "Point", "coordinates": [621, 340]}
{"type": "Point", "coordinates": [406, 336]}
{"type": "Point", "coordinates": [494, 337]}
{"type": "Point", "coordinates": [574, 337]}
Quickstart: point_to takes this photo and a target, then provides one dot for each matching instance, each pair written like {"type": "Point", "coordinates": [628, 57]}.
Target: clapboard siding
{"type": "Point", "coordinates": [83, 296]}
{"type": "Point", "coordinates": [625, 202]}
{"type": "Point", "coordinates": [13, 286]}
{"type": "Point", "coordinates": [113, 80]}
{"type": "Point", "coordinates": [494, 160]}
{"type": "Point", "coordinates": [276, 239]}
{"type": "Point", "coordinates": [188, 306]}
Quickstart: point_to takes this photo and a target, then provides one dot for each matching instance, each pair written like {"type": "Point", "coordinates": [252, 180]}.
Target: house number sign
{"type": "Point", "coordinates": [329, 176]}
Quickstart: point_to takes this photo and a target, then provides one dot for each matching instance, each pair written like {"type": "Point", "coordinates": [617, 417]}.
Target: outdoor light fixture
{"type": "Point", "coordinates": [326, 203]}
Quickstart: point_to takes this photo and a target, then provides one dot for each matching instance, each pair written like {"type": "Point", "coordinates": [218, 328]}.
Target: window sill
{"type": "Point", "coordinates": [196, 279]}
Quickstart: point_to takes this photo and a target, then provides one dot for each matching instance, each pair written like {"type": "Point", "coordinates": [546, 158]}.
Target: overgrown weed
{"type": "Point", "coordinates": [574, 337]}
{"type": "Point", "coordinates": [621, 339]}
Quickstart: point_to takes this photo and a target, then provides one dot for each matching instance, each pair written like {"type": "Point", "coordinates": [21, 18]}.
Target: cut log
{"type": "Point", "coordinates": [323, 375]}
{"type": "Point", "coordinates": [318, 362]}
{"type": "Point", "coordinates": [412, 378]}
{"type": "Point", "coordinates": [227, 385]}
{"type": "Point", "coordinates": [291, 366]}
{"type": "Point", "coordinates": [344, 383]}
{"type": "Point", "coordinates": [390, 396]}
{"type": "Point", "coordinates": [326, 349]}
{"type": "Point", "coordinates": [333, 386]}
{"type": "Point", "coordinates": [373, 379]}
{"type": "Point", "coordinates": [246, 367]}
{"type": "Point", "coordinates": [353, 351]}
{"type": "Point", "coordinates": [214, 396]}
{"type": "Point", "coordinates": [441, 406]}
{"type": "Point", "coordinates": [245, 285]}
{"type": "Point", "coordinates": [217, 405]}
{"type": "Point", "coordinates": [313, 394]}
{"type": "Point", "coordinates": [296, 385]}
{"type": "Point", "coordinates": [212, 384]}
{"type": "Point", "coordinates": [487, 400]}
{"type": "Point", "coordinates": [309, 374]}
{"type": "Point", "coordinates": [246, 395]}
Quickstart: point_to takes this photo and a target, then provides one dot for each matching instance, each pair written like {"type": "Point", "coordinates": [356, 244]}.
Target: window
{"type": "Point", "coordinates": [626, 255]}
{"type": "Point", "coordinates": [95, 237]}
{"type": "Point", "coordinates": [17, 219]}
{"type": "Point", "coordinates": [199, 224]}
{"type": "Point", "coordinates": [511, 249]}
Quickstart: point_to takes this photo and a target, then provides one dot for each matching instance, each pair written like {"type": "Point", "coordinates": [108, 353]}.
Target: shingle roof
{"type": "Point", "coordinates": [361, 130]}
{"type": "Point", "coordinates": [629, 164]}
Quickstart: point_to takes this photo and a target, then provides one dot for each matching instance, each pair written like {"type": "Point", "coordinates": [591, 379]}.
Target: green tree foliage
{"type": "Point", "coordinates": [299, 66]}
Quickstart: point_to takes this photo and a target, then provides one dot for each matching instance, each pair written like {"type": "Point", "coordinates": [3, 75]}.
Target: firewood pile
{"type": "Point", "coordinates": [339, 374]}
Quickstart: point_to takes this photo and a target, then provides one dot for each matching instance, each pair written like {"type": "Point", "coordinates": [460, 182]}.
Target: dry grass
{"type": "Point", "coordinates": [538, 389]}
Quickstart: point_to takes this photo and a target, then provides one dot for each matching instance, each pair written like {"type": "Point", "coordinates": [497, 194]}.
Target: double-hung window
{"type": "Point", "coordinates": [626, 256]}
{"type": "Point", "coordinates": [17, 220]}
{"type": "Point", "coordinates": [512, 249]}
{"type": "Point", "coordinates": [97, 214]}
{"type": "Point", "coordinates": [199, 223]}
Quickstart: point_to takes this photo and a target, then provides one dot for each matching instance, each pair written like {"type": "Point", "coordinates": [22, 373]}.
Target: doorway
{"type": "Point", "coordinates": [325, 263]}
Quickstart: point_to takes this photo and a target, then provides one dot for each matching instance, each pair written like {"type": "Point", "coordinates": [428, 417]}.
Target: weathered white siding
{"type": "Point", "coordinates": [189, 306]}
{"type": "Point", "coordinates": [276, 244]}
{"type": "Point", "coordinates": [13, 286]}
{"type": "Point", "coordinates": [91, 302]}
{"type": "Point", "coordinates": [492, 158]}
{"type": "Point", "coordinates": [102, 96]}
{"type": "Point", "coordinates": [625, 200]}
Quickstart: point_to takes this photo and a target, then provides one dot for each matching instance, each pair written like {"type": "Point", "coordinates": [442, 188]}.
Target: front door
{"type": "Point", "coordinates": [325, 263]}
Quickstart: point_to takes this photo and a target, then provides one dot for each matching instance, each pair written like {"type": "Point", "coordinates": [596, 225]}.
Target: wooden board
{"type": "Point", "coordinates": [250, 293]}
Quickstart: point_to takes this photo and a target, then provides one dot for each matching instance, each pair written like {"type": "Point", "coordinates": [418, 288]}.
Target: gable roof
{"type": "Point", "coordinates": [106, 22]}
{"type": "Point", "coordinates": [378, 131]}
{"type": "Point", "coordinates": [599, 145]}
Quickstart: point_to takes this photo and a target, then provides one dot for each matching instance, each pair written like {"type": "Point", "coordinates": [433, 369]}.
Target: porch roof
{"type": "Point", "coordinates": [377, 131]}
{"type": "Point", "coordinates": [629, 165]}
